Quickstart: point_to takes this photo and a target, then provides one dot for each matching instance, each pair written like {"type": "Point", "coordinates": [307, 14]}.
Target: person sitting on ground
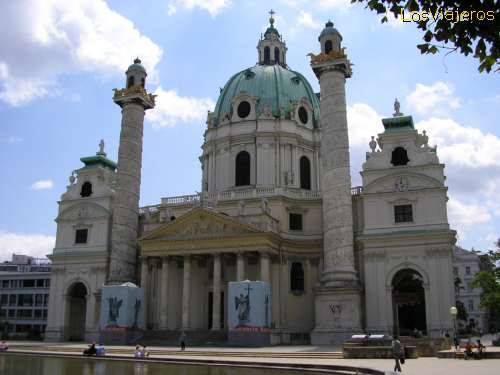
{"type": "Point", "coordinates": [91, 350]}
{"type": "Point", "coordinates": [137, 351]}
{"type": "Point", "coordinates": [3, 346]}
{"type": "Point", "coordinates": [145, 353]}
{"type": "Point", "coordinates": [480, 348]}
{"type": "Point", "coordinates": [100, 351]}
{"type": "Point", "coordinates": [468, 350]}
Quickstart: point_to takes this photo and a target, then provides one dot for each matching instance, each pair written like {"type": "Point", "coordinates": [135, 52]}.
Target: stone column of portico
{"type": "Point", "coordinates": [164, 294]}
{"type": "Point", "coordinates": [216, 293]}
{"type": "Point", "coordinates": [144, 286]}
{"type": "Point", "coordinates": [265, 273]}
{"type": "Point", "coordinates": [185, 292]}
{"type": "Point", "coordinates": [338, 300]}
{"type": "Point", "coordinates": [240, 267]}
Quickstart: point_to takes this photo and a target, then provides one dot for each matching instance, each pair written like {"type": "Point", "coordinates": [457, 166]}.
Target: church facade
{"type": "Point", "coordinates": [276, 205]}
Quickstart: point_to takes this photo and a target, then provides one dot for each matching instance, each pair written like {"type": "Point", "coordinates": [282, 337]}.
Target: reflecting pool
{"type": "Point", "coordinates": [31, 365]}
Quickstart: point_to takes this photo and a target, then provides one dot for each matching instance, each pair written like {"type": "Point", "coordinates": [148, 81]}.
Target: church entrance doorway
{"type": "Point", "coordinates": [77, 307]}
{"type": "Point", "coordinates": [408, 303]}
{"type": "Point", "coordinates": [211, 309]}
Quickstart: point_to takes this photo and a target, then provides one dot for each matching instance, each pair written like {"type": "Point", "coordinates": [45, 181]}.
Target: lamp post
{"type": "Point", "coordinates": [454, 312]}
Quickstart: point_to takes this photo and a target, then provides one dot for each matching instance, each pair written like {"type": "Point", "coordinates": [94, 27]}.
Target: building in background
{"type": "Point", "coordinates": [466, 264]}
{"type": "Point", "coordinates": [24, 296]}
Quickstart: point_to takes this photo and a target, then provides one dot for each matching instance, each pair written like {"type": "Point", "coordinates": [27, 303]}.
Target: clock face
{"type": "Point", "coordinates": [401, 184]}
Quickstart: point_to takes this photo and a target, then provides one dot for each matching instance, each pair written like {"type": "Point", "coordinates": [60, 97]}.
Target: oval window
{"type": "Point", "coordinates": [244, 109]}
{"type": "Point", "coordinates": [303, 115]}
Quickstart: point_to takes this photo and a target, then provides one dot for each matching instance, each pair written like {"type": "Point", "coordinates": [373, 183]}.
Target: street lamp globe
{"type": "Point", "coordinates": [453, 311]}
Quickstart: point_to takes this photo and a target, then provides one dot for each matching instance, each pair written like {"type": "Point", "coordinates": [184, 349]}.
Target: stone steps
{"type": "Point", "coordinates": [201, 353]}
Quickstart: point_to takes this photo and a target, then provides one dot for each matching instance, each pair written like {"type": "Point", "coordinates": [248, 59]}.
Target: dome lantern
{"type": "Point", "coordinates": [136, 74]}
{"type": "Point", "coordinates": [330, 39]}
{"type": "Point", "coordinates": [272, 49]}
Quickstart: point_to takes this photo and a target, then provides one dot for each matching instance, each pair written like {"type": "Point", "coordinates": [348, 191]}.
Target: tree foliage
{"type": "Point", "coordinates": [489, 281]}
{"type": "Point", "coordinates": [470, 35]}
{"type": "Point", "coordinates": [461, 311]}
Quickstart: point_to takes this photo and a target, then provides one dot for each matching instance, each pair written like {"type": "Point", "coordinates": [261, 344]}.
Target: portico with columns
{"type": "Point", "coordinates": [186, 266]}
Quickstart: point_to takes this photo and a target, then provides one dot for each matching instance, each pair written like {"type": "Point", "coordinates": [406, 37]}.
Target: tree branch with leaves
{"type": "Point", "coordinates": [468, 35]}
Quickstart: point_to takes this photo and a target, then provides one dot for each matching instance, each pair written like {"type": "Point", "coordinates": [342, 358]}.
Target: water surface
{"type": "Point", "coordinates": [31, 365]}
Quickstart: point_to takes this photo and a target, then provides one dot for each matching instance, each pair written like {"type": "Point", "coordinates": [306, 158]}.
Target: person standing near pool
{"type": "Point", "coordinates": [182, 340]}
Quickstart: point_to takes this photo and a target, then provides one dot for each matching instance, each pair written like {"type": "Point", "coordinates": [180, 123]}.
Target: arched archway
{"type": "Point", "coordinates": [328, 46]}
{"type": "Point", "coordinates": [276, 55]}
{"type": "Point", "coordinates": [77, 308]}
{"type": "Point", "coordinates": [408, 302]}
{"type": "Point", "coordinates": [267, 55]}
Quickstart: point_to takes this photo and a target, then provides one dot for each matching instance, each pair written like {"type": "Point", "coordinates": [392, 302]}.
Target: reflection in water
{"type": "Point", "coordinates": [30, 365]}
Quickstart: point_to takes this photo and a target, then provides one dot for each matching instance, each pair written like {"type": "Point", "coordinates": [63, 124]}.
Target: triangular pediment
{"type": "Point", "coordinates": [199, 223]}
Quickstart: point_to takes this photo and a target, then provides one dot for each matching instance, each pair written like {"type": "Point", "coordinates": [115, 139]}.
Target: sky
{"type": "Point", "coordinates": [60, 60]}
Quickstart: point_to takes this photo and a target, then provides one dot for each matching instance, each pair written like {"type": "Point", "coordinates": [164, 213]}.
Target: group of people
{"type": "Point", "coordinates": [95, 350]}
{"type": "Point", "coordinates": [469, 353]}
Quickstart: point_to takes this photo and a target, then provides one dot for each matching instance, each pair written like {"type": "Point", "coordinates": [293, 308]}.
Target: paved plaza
{"type": "Point", "coordinates": [323, 355]}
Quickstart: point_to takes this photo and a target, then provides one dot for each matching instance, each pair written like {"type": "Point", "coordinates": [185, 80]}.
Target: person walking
{"type": "Point", "coordinates": [397, 352]}
{"type": "Point", "coordinates": [182, 340]}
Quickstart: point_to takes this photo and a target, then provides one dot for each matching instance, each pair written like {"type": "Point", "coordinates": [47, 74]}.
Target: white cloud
{"type": "Point", "coordinates": [305, 19]}
{"type": "Point", "coordinates": [171, 109]}
{"type": "Point", "coordinates": [36, 245]}
{"type": "Point", "coordinates": [363, 122]}
{"type": "Point", "coordinates": [333, 4]}
{"type": "Point", "coordinates": [65, 37]}
{"type": "Point", "coordinates": [213, 7]}
{"type": "Point", "coordinates": [42, 185]}
{"type": "Point", "coordinates": [462, 146]}
{"type": "Point", "coordinates": [464, 216]}
{"type": "Point", "coordinates": [435, 99]}
{"type": "Point", "coordinates": [14, 139]}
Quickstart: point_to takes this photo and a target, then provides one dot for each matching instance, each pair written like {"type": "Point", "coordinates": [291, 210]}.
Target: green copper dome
{"type": "Point", "coordinates": [274, 85]}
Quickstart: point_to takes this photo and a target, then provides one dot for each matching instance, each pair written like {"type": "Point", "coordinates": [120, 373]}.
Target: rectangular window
{"type": "Point", "coordinates": [3, 313]}
{"type": "Point", "coordinates": [47, 283]}
{"type": "Point", "coordinates": [24, 313]}
{"type": "Point", "coordinates": [5, 283]}
{"type": "Point", "coordinates": [45, 299]}
{"type": "Point", "coordinates": [471, 305]}
{"type": "Point", "coordinates": [28, 283]}
{"type": "Point", "coordinates": [295, 222]}
{"type": "Point", "coordinates": [14, 283]}
{"type": "Point", "coordinates": [4, 300]}
{"type": "Point", "coordinates": [45, 313]}
{"type": "Point", "coordinates": [38, 314]}
{"type": "Point", "coordinates": [467, 270]}
{"type": "Point", "coordinates": [403, 213]}
{"type": "Point", "coordinates": [40, 283]}
{"type": "Point", "coordinates": [38, 299]}
{"type": "Point", "coordinates": [81, 236]}
{"type": "Point", "coordinates": [25, 300]}
{"type": "Point", "coordinates": [12, 313]}
{"type": "Point", "coordinates": [12, 299]}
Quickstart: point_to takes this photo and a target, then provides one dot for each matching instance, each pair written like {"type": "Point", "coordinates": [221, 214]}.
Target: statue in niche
{"type": "Point", "coordinates": [114, 310]}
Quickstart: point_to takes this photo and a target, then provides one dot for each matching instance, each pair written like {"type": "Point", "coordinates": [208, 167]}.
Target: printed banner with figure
{"type": "Point", "coordinates": [249, 306]}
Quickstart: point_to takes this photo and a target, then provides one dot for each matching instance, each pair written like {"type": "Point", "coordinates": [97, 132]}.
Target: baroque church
{"type": "Point", "coordinates": [276, 205]}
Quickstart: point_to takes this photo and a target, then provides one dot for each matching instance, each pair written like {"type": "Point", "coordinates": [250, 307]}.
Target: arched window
{"type": "Point", "coordinates": [399, 156]}
{"type": "Point", "coordinates": [242, 169]}
{"type": "Point", "coordinates": [267, 55]}
{"type": "Point", "coordinates": [276, 55]}
{"type": "Point", "coordinates": [86, 189]}
{"type": "Point", "coordinates": [297, 277]}
{"type": "Point", "coordinates": [130, 82]}
{"type": "Point", "coordinates": [328, 46]}
{"type": "Point", "coordinates": [143, 82]}
{"type": "Point", "coordinates": [305, 173]}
